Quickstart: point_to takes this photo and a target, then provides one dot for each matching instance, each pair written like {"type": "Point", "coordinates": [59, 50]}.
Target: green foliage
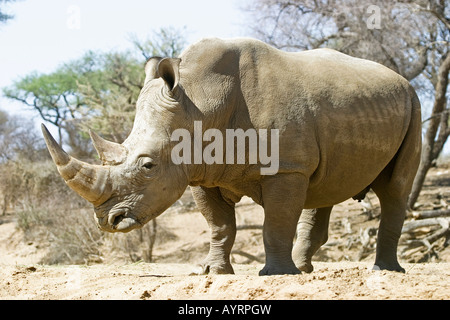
{"type": "Point", "coordinates": [52, 95]}
{"type": "Point", "coordinates": [98, 90]}
{"type": "Point", "coordinates": [111, 94]}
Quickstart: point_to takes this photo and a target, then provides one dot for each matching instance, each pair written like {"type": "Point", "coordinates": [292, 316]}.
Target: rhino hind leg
{"type": "Point", "coordinates": [312, 233]}
{"type": "Point", "coordinates": [393, 198]}
{"type": "Point", "coordinates": [393, 212]}
{"type": "Point", "coordinates": [220, 216]}
{"type": "Point", "coordinates": [392, 187]}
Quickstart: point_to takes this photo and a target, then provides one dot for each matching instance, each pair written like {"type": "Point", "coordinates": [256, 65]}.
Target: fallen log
{"type": "Point", "coordinates": [409, 226]}
{"type": "Point", "coordinates": [427, 244]}
{"type": "Point", "coordinates": [430, 214]}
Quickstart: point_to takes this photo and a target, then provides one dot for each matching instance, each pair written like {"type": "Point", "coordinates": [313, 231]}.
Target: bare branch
{"type": "Point", "coordinates": [431, 214]}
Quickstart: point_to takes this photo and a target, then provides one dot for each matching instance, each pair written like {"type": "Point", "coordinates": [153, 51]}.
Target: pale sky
{"type": "Point", "coordinates": [46, 33]}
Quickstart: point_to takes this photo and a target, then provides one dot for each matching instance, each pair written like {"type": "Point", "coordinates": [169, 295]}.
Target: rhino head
{"type": "Point", "coordinates": [136, 181]}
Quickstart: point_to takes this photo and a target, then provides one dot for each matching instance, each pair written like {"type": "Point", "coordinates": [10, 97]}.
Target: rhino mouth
{"type": "Point", "coordinates": [125, 224]}
{"type": "Point", "coordinates": [119, 221]}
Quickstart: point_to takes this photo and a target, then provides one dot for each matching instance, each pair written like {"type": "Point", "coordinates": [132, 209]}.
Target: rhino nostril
{"type": "Point", "coordinates": [116, 218]}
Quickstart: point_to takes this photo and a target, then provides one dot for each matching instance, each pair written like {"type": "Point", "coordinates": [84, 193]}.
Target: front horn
{"type": "Point", "coordinates": [91, 182]}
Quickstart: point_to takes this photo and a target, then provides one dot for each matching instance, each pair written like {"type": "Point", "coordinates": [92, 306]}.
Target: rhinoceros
{"type": "Point", "coordinates": [345, 126]}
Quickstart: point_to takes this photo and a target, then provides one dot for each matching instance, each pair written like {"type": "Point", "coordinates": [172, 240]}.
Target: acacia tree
{"type": "Point", "coordinates": [52, 95]}
{"type": "Point", "coordinates": [410, 37]}
{"type": "Point", "coordinates": [114, 108]}
{"type": "Point", "coordinates": [97, 91]}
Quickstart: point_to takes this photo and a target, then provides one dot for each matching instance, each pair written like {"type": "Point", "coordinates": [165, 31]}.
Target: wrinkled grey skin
{"type": "Point", "coordinates": [346, 125]}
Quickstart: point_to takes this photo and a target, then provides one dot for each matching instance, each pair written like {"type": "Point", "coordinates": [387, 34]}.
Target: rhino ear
{"type": "Point", "coordinates": [169, 70]}
{"type": "Point", "coordinates": [151, 68]}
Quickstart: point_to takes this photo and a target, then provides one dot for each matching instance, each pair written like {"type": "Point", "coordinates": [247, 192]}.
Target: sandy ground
{"type": "Point", "coordinates": [22, 277]}
{"type": "Point", "coordinates": [345, 280]}
{"type": "Point", "coordinates": [336, 275]}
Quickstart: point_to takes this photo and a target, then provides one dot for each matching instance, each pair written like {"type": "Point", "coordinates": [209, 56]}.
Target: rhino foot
{"type": "Point", "coordinates": [305, 267]}
{"type": "Point", "coordinates": [270, 270]}
{"type": "Point", "coordinates": [389, 267]}
{"type": "Point", "coordinates": [209, 268]}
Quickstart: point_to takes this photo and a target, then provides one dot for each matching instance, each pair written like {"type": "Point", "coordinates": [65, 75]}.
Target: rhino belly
{"type": "Point", "coordinates": [342, 184]}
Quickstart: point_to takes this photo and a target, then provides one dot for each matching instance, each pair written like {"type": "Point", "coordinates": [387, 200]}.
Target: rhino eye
{"type": "Point", "coordinates": [148, 165]}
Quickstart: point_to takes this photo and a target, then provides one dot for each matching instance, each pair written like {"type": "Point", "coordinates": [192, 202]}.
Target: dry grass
{"type": "Point", "coordinates": [51, 214]}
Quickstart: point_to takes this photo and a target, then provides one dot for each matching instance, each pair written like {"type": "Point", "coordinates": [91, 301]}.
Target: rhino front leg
{"type": "Point", "coordinates": [283, 198]}
{"type": "Point", "coordinates": [221, 219]}
{"type": "Point", "coordinates": [312, 233]}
